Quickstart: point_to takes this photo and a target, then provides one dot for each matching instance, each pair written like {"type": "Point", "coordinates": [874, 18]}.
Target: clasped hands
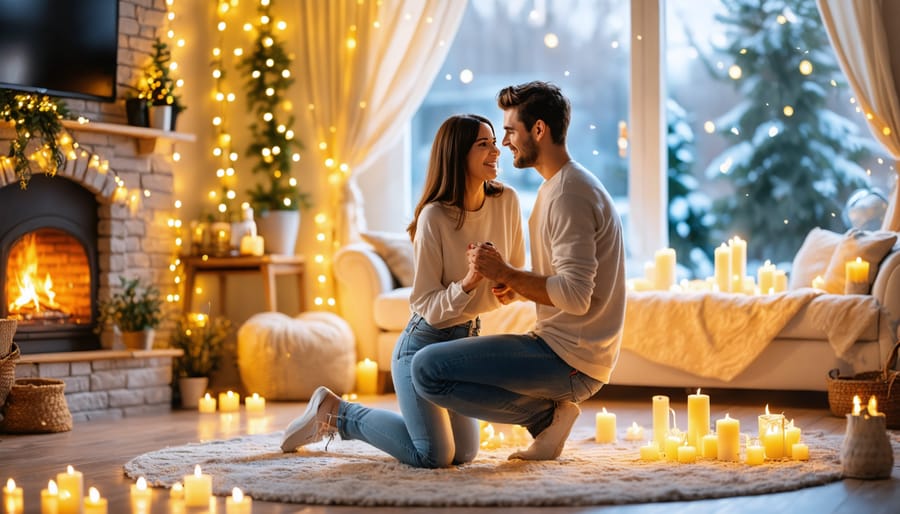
{"type": "Point", "coordinates": [485, 262]}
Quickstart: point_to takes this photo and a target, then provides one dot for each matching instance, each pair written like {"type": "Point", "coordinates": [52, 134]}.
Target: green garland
{"type": "Point", "coordinates": [272, 143]}
{"type": "Point", "coordinates": [34, 116]}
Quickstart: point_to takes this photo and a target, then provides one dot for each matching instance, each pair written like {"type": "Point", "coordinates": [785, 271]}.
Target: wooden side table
{"type": "Point", "coordinates": [269, 266]}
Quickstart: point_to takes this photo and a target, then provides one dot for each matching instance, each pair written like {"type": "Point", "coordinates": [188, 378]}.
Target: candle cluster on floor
{"type": "Point", "coordinates": [65, 495]}
{"type": "Point", "coordinates": [776, 439]}
{"type": "Point", "coordinates": [230, 401]}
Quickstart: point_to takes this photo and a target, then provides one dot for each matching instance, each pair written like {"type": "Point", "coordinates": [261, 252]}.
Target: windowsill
{"type": "Point", "coordinates": [97, 355]}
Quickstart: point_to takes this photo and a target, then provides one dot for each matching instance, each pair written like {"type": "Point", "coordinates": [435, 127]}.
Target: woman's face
{"type": "Point", "coordinates": [482, 162]}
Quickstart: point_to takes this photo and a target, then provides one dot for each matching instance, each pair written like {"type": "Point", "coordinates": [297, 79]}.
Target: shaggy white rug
{"type": "Point", "coordinates": [587, 473]}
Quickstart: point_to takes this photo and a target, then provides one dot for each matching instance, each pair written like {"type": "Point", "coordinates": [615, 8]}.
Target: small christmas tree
{"type": "Point", "coordinates": [157, 84]}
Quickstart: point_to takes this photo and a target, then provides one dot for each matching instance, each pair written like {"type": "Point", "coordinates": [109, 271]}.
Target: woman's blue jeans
{"type": "Point", "coordinates": [423, 435]}
{"type": "Point", "coordinates": [510, 378]}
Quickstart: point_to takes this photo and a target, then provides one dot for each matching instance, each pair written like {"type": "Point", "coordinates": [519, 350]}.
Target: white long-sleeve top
{"type": "Point", "coordinates": [576, 240]}
{"type": "Point", "coordinates": [441, 263]}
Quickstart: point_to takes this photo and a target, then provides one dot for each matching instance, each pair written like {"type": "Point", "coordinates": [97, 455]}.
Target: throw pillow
{"type": "Point", "coordinates": [397, 251]}
{"type": "Point", "coordinates": [813, 257]}
{"type": "Point", "coordinates": [869, 246]}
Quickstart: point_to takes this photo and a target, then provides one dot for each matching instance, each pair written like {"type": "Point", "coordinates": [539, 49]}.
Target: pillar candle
{"type": "Point", "coordinates": [687, 454]}
{"type": "Point", "coordinates": [229, 402]}
{"type": "Point", "coordinates": [765, 275]}
{"type": "Point", "coordinates": [141, 496]}
{"type": "Point", "coordinates": [856, 277]}
{"type": "Point", "coordinates": [660, 420]}
{"type": "Point", "coordinates": [698, 418]}
{"type": "Point", "coordinates": [755, 454]}
{"type": "Point", "coordinates": [635, 432]}
{"type": "Point", "coordinates": [367, 377]}
{"type": "Point", "coordinates": [728, 446]}
{"type": "Point", "coordinates": [207, 404]}
{"type": "Point", "coordinates": [781, 281]}
{"type": "Point", "coordinates": [723, 268]}
{"type": "Point", "coordinates": [50, 498]}
{"type": "Point", "coordinates": [664, 270]}
{"type": "Point", "coordinates": [71, 491]}
{"type": "Point", "coordinates": [177, 491]}
{"type": "Point", "coordinates": [773, 442]}
{"type": "Point", "coordinates": [673, 441]}
{"type": "Point", "coordinates": [197, 489]}
{"type": "Point", "coordinates": [650, 451]}
{"type": "Point", "coordinates": [799, 451]}
{"type": "Point", "coordinates": [13, 497]}
{"type": "Point", "coordinates": [606, 427]}
{"type": "Point", "coordinates": [252, 245]}
{"type": "Point", "coordinates": [94, 503]}
{"type": "Point", "coordinates": [818, 282]}
{"type": "Point", "coordinates": [709, 447]}
{"type": "Point", "coordinates": [237, 503]}
{"type": "Point", "coordinates": [738, 257]}
{"type": "Point", "coordinates": [764, 420]}
{"type": "Point", "coordinates": [791, 437]}
{"type": "Point", "coordinates": [255, 403]}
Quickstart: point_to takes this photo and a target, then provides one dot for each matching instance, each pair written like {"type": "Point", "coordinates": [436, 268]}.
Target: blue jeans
{"type": "Point", "coordinates": [423, 435]}
{"type": "Point", "coordinates": [509, 378]}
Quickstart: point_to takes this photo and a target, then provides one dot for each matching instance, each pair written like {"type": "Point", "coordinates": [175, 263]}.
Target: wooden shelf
{"type": "Point", "coordinates": [146, 137]}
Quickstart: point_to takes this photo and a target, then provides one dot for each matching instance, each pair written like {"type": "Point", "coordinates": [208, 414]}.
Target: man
{"type": "Point", "coordinates": [577, 283]}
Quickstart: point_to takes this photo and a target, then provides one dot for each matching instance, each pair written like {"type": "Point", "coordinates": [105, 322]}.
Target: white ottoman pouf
{"type": "Point", "coordinates": [285, 358]}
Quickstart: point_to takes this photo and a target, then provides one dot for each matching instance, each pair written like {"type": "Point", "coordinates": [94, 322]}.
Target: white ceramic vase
{"type": "Point", "coordinates": [161, 117]}
{"type": "Point", "coordinates": [192, 389]}
{"type": "Point", "coordinates": [279, 231]}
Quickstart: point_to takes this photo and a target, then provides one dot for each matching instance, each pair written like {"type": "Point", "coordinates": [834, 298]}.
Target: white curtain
{"type": "Point", "coordinates": [363, 68]}
{"type": "Point", "coordinates": [857, 32]}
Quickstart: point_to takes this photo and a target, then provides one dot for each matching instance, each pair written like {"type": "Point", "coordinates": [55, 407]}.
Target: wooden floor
{"type": "Point", "coordinates": [100, 448]}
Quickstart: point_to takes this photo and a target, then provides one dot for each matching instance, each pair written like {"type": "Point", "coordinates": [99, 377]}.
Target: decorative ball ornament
{"type": "Point", "coordinates": [866, 209]}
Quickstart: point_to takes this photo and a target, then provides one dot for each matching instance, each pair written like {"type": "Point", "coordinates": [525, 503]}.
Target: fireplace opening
{"type": "Point", "coordinates": [48, 264]}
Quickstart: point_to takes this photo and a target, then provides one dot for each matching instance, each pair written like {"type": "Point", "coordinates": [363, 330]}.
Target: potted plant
{"type": "Point", "coordinates": [202, 339]}
{"type": "Point", "coordinates": [157, 86]}
{"type": "Point", "coordinates": [135, 312]}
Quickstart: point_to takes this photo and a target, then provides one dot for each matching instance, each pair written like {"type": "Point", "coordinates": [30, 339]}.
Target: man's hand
{"type": "Point", "coordinates": [486, 260]}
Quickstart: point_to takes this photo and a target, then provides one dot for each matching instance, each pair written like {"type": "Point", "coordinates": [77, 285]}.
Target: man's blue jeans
{"type": "Point", "coordinates": [510, 378]}
{"type": "Point", "coordinates": [423, 435]}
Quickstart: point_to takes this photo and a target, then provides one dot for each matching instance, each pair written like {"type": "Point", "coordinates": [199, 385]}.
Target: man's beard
{"type": "Point", "coordinates": [527, 155]}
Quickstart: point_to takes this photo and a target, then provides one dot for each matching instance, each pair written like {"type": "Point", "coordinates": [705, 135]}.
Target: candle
{"type": "Point", "coordinates": [791, 437]}
{"type": "Point", "coordinates": [197, 489]}
{"type": "Point", "coordinates": [856, 275]}
{"type": "Point", "coordinates": [738, 260]}
{"type": "Point", "coordinates": [660, 420]}
{"type": "Point", "coordinates": [71, 491]}
{"type": "Point", "coordinates": [650, 451]}
{"type": "Point", "coordinates": [698, 418]}
{"type": "Point", "coordinates": [255, 403]}
{"type": "Point", "coordinates": [367, 377]}
{"type": "Point", "coordinates": [755, 454]}
{"type": "Point", "coordinates": [773, 442]}
{"type": "Point", "coordinates": [606, 427]}
{"type": "Point", "coordinates": [673, 442]}
{"type": "Point", "coordinates": [237, 503]}
{"type": "Point", "coordinates": [50, 498]}
{"type": "Point", "coordinates": [229, 402]}
{"type": "Point", "coordinates": [728, 446]}
{"type": "Point", "coordinates": [141, 496]}
{"type": "Point", "coordinates": [799, 451]}
{"type": "Point", "coordinates": [781, 281]}
{"type": "Point", "coordinates": [764, 420]}
{"type": "Point", "coordinates": [13, 497]}
{"type": "Point", "coordinates": [252, 245]}
{"type": "Point", "coordinates": [206, 404]}
{"type": "Point", "coordinates": [687, 454]}
{"type": "Point", "coordinates": [723, 268]}
{"type": "Point", "coordinates": [664, 269]}
{"type": "Point", "coordinates": [709, 447]}
{"type": "Point", "coordinates": [94, 503]}
{"type": "Point", "coordinates": [765, 275]}
{"type": "Point", "coordinates": [635, 432]}
{"type": "Point", "coordinates": [818, 282]}
{"type": "Point", "coordinates": [177, 491]}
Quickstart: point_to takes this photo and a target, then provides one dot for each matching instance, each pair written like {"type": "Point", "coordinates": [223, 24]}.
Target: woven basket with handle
{"type": "Point", "coordinates": [36, 405]}
{"type": "Point", "coordinates": [7, 331]}
{"type": "Point", "coordinates": [880, 384]}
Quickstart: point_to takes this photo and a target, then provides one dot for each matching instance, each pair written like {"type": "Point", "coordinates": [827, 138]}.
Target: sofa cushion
{"type": "Point", "coordinates": [805, 326]}
{"type": "Point", "coordinates": [397, 251]}
{"type": "Point", "coordinates": [813, 257]}
{"type": "Point", "coordinates": [392, 309]}
{"type": "Point", "coordinates": [870, 246]}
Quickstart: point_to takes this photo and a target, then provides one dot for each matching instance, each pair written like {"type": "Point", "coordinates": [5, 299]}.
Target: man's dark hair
{"type": "Point", "coordinates": [538, 101]}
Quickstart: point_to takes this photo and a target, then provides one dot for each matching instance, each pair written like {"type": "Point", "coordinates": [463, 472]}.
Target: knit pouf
{"type": "Point", "coordinates": [285, 358]}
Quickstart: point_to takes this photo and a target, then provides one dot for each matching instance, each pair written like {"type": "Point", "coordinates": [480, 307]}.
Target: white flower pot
{"type": "Point", "coordinates": [279, 231]}
{"type": "Point", "coordinates": [161, 117]}
{"type": "Point", "coordinates": [192, 389]}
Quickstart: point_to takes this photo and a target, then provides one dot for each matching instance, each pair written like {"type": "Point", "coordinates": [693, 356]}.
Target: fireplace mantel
{"type": "Point", "coordinates": [146, 137]}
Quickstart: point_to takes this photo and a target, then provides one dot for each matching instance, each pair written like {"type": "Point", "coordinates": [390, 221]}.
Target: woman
{"type": "Point", "coordinates": [462, 204]}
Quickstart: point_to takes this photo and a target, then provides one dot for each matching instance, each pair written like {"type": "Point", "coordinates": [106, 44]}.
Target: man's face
{"type": "Point", "coordinates": [519, 141]}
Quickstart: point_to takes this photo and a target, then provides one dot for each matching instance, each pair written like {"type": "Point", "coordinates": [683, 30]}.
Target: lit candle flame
{"type": "Point", "coordinates": [856, 405]}
{"type": "Point", "coordinates": [52, 488]}
{"type": "Point", "coordinates": [141, 484]}
{"type": "Point", "coordinates": [237, 495]}
{"type": "Point", "coordinates": [94, 494]}
{"type": "Point", "coordinates": [767, 409]}
{"type": "Point", "coordinates": [197, 471]}
{"type": "Point", "coordinates": [10, 485]}
{"type": "Point", "coordinates": [873, 406]}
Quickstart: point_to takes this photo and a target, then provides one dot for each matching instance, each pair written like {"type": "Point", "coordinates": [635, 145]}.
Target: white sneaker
{"type": "Point", "coordinates": [319, 420]}
{"type": "Point", "coordinates": [548, 445]}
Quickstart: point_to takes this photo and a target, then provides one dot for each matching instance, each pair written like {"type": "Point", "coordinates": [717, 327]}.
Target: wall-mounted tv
{"type": "Point", "coordinates": [64, 48]}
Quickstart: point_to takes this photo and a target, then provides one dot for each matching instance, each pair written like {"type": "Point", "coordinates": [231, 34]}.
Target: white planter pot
{"type": "Point", "coordinates": [161, 117]}
{"type": "Point", "coordinates": [139, 340]}
{"type": "Point", "coordinates": [279, 231]}
{"type": "Point", "coordinates": [192, 389]}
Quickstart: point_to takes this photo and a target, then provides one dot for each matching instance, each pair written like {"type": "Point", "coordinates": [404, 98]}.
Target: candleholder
{"type": "Point", "coordinates": [866, 452]}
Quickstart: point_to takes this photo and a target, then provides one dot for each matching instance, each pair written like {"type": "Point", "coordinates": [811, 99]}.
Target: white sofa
{"type": "Point", "coordinates": [799, 358]}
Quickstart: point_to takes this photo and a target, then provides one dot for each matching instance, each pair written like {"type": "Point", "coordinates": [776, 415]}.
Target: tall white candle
{"type": "Point", "coordinates": [738, 257]}
{"type": "Point", "coordinates": [71, 491]}
{"type": "Point", "coordinates": [728, 431]}
{"type": "Point", "coordinates": [660, 420]}
{"type": "Point", "coordinates": [664, 271]}
{"type": "Point", "coordinates": [698, 418]}
{"type": "Point", "coordinates": [197, 489]}
{"type": "Point", "coordinates": [723, 268]}
{"type": "Point", "coordinates": [606, 427]}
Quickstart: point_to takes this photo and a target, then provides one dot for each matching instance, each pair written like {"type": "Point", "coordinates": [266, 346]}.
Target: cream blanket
{"type": "Point", "coordinates": [717, 335]}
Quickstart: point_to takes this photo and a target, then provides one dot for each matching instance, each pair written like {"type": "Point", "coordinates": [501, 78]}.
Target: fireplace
{"type": "Point", "coordinates": [49, 270]}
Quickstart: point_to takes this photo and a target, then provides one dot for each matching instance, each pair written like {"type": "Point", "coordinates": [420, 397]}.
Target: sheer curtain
{"type": "Point", "coordinates": [857, 32]}
{"type": "Point", "coordinates": [363, 68]}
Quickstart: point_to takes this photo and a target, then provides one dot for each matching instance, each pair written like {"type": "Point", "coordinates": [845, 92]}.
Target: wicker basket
{"type": "Point", "coordinates": [36, 405]}
{"type": "Point", "coordinates": [7, 375]}
{"type": "Point", "coordinates": [7, 331]}
{"type": "Point", "coordinates": [880, 384]}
